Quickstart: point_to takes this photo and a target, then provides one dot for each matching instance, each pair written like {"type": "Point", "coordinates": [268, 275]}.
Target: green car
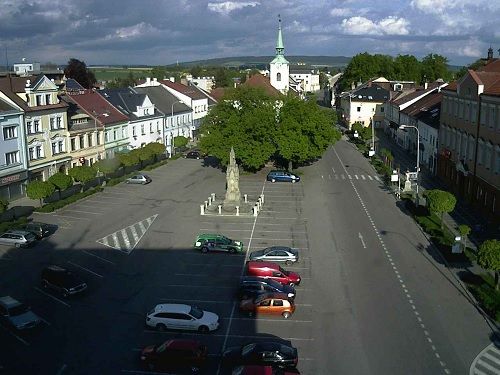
{"type": "Point", "coordinates": [217, 242]}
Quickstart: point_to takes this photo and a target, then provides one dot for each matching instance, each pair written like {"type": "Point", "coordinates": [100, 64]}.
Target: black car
{"type": "Point", "coordinates": [40, 230]}
{"type": "Point", "coordinates": [62, 280]}
{"type": "Point", "coordinates": [251, 286]}
{"type": "Point", "coordinates": [195, 154]}
{"type": "Point", "coordinates": [262, 353]}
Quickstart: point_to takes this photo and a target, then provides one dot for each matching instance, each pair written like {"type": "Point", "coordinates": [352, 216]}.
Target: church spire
{"type": "Point", "coordinates": [279, 43]}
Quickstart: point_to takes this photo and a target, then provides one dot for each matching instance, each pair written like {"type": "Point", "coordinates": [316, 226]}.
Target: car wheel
{"type": "Point", "coordinates": [293, 181]}
{"type": "Point", "coordinates": [195, 369]}
{"type": "Point", "coordinates": [286, 315]}
{"type": "Point", "coordinates": [65, 294]}
{"type": "Point", "coordinates": [288, 262]}
{"type": "Point", "coordinates": [127, 182]}
{"type": "Point", "coordinates": [204, 249]}
{"type": "Point", "coordinates": [45, 284]}
{"type": "Point", "coordinates": [273, 180]}
{"type": "Point", "coordinates": [232, 251]}
{"type": "Point", "coordinates": [161, 327]}
{"type": "Point", "coordinates": [291, 284]}
{"type": "Point", "coordinates": [18, 245]}
{"type": "Point", "coordinates": [203, 329]}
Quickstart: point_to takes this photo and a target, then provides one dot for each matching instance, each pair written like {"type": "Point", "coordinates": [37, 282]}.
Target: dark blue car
{"type": "Point", "coordinates": [282, 176]}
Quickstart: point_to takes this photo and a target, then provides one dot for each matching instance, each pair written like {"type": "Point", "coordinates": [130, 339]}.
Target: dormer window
{"type": "Point", "coordinates": [38, 100]}
{"type": "Point", "coordinates": [47, 99]}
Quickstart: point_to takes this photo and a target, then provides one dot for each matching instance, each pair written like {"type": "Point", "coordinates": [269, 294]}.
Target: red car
{"type": "Point", "coordinates": [262, 370]}
{"type": "Point", "coordinates": [175, 354]}
{"type": "Point", "coordinates": [270, 270]}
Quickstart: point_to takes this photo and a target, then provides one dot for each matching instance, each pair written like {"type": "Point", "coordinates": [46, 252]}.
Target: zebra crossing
{"type": "Point", "coordinates": [126, 239]}
{"type": "Point", "coordinates": [346, 177]}
{"type": "Point", "coordinates": [487, 362]}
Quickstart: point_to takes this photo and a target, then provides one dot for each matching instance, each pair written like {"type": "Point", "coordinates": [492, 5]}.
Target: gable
{"type": "Point", "coordinates": [147, 102]}
{"type": "Point", "coordinates": [44, 84]}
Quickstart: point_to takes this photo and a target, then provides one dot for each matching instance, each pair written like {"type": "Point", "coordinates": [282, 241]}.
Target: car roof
{"type": "Point", "coordinates": [173, 307]}
{"type": "Point", "coordinates": [17, 231]}
{"type": "Point", "coordinates": [54, 267]}
{"type": "Point", "coordinates": [277, 248]}
{"type": "Point", "coordinates": [259, 264]}
{"type": "Point", "coordinates": [8, 301]}
{"type": "Point", "coordinates": [209, 235]}
{"type": "Point", "coordinates": [277, 170]}
{"type": "Point", "coordinates": [273, 295]}
{"type": "Point", "coordinates": [182, 344]}
{"type": "Point", "coordinates": [36, 223]}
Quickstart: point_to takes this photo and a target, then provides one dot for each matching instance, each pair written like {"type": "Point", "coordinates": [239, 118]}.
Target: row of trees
{"type": "Point", "coordinates": [365, 66]}
{"type": "Point", "coordinates": [260, 127]}
{"type": "Point", "coordinates": [83, 174]}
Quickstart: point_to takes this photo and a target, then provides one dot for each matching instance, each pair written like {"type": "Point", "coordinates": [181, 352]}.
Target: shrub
{"type": "Point", "coordinates": [39, 190]}
{"type": "Point", "coordinates": [488, 298]}
{"type": "Point", "coordinates": [64, 202]}
{"type": "Point", "coordinates": [13, 224]}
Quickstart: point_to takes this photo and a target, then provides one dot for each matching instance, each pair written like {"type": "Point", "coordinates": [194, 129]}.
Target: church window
{"type": "Point", "coordinates": [278, 76]}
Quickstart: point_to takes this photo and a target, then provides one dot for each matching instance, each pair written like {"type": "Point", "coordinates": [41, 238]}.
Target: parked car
{"type": "Point", "coordinates": [17, 314]}
{"type": "Point", "coordinates": [251, 287]}
{"type": "Point", "coordinates": [217, 242]}
{"type": "Point", "coordinates": [194, 154]}
{"type": "Point", "coordinates": [282, 176]}
{"type": "Point", "coordinates": [139, 179]}
{"type": "Point", "coordinates": [176, 354]}
{"type": "Point", "coordinates": [17, 238]}
{"type": "Point", "coordinates": [62, 280]}
{"type": "Point", "coordinates": [40, 230]}
{"type": "Point", "coordinates": [262, 353]}
{"type": "Point", "coordinates": [268, 303]}
{"type": "Point", "coordinates": [271, 270]}
{"type": "Point", "coordinates": [262, 370]}
{"type": "Point", "coordinates": [280, 254]}
{"type": "Point", "coordinates": [179, 316]}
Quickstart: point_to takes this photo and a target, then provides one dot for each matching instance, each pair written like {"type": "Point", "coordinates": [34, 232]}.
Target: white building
{"type": "Point", "coordinates": [204, 83]}
{"type": "Point", "coordinates": [23, 69]}
{"type": "Point", "coordinates": [280, 68]}
{"type": "Point", "coordinates": [308, 79]}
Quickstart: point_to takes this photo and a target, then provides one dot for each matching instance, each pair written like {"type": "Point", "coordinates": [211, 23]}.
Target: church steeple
{"type": "Point", "coordinates": [279, 67]}
{"type": "Point", "coordinates": [280, 48]}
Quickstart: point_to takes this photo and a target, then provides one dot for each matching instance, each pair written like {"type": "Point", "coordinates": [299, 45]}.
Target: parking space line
{"type": "Point", "coordinates": [276, 239]}
{"type": "Point", "coordinates": [195, 300]}
{"type": "Point", "coordinates": [85, 269]}
{"type": "Point", "coordinates": [273, 320]}
{"type": "Point", "coordinates": [43, 320]}
{"type": "Point", "coordinates": [219, 335]}
{"type": "Point", "coordinates": [97, 256]}
{"type": "Point", "coordinates": [71, 217]}
{"type": "Point", "coordinates": [16, 336]}
{"type": "Point", "coordinates": [51, 296]}
{"type": "Point", "coordinates": [85, 212]}
{"type": "Point", "coordinates": [282, 218]}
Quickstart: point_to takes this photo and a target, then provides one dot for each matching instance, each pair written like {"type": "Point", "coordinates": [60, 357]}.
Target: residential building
{"type": "Point", "coordinates": [45, 120]}
{"type": "Point", "coordinates": [365, 105]}
{"type": "Point", "coordinates": [13, 163]}
{"type": "Point", "coordinates": [24, 68]}
{"type": "Point", "coordinates": [469, 141]}
{"type": "Point", "coordinates": [204, 83]}
{"type": "Point", "coordinates": [145, 120]}
{"type": "Point", "coordinates": [178, 120]}
{"type": "Point", "coordinates": [307, 78]}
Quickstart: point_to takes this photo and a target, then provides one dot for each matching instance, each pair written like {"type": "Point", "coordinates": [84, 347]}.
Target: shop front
{"type": "Point", "coordinates": [13, 186]}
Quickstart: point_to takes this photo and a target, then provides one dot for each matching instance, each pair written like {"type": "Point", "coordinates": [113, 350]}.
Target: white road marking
{"type": "Point", "coordinates": [333, 169]}
{"type": "Point", "coordinates": [85, 269]}
{"type": "Point", "coordinates": [97, 256]}
{"type": "Point", "coordinates": [16, 336]}
{"type": "Point", "coordinates": [363, 177]}
{"type": "Point", "coordinates": [362, 241]}
{"type": "Point", "coordinates": [370, 177]}
{"type": "Point", "coordinates": [51, 296]}
{"type": "Point", "coordinates": [84, 212]}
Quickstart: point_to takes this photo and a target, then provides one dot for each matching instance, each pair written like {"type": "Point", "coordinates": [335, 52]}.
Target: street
{"type": "Point", "coordinates": [374, 298]}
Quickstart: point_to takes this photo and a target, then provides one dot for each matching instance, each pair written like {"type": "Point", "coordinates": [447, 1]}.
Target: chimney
{"type": "Point", "coordinates": [148, 81]}
{"type": "Point", "coordinates": [353, 86]}
{"type": "Point", "coordinates": [172, 79]}
{"type": "Point", "coordinates": [155, 79]}
{"type": "Point", "coordinates": [28, 83]}
{"type": "Point", "coordinates": [426, 85]}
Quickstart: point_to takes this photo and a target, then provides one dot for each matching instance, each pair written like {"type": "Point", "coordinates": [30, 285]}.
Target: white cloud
{"type": "Point", "coordinates": [340, 12]}
{"type": "Point", "coordinates": [363, 26]}
{"type": "Point", "coordinates": [297, 27]}
{"type": "Point", "coordinates": [134, 31]}
{"type": "Point", "coordinates": [227, 7]}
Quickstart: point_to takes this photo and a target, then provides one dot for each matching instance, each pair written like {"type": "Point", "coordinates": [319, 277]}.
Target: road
{"type": "Point", "coordinates": [373, 300]}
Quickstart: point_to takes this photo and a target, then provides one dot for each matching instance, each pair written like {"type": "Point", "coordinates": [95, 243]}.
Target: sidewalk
{"type": "Point", "coordinates": [463, 213]}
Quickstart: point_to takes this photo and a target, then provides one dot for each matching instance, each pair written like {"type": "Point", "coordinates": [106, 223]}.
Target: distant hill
{"type": "Point", "coordinates": [263, 61]}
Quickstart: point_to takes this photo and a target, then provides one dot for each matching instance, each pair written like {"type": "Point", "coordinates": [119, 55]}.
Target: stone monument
{"type": "Point", "coordinates": [233, 195]}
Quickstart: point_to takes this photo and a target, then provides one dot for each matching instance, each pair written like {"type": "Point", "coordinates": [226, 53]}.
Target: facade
{"type": "Point", "coordinates": [279, 73]}
{"type": "Point", "coordinates": [469, 141]}
{"type": "Point", "coordinates": [46, 123]}
{"type": "Point", "coordinates": [309, 79]}
{"type": "Point", "coordinates": [204, 83]}
{"type": "Point", "coordinates": [23, 69]}
{"type": "Point", "coordinates": [13, 163]}
{"type": "Point", "coordinates": [145, 120]}
{"type": "Point", "coordinates": [365, 105]}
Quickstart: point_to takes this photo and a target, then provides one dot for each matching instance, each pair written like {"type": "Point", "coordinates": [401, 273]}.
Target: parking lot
{"type": "Point", "coordinates": [133, 246]}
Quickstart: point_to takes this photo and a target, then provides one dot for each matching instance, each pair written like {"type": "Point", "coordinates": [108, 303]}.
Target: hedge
{"type": "Point", "coordinates": [5, 226]}
{"type": "Point", "coordinates": [487, 296]}
{"type": "Point", "coordinates": [50, 207]}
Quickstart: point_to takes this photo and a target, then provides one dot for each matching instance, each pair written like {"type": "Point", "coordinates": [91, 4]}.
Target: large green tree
{"type": "Point", "coordinates": [440, 202]}
{"type": "Point", "coordinates": [156, 149]}
{"type": "Point", "coordinates": [407, 67]}
{"type": "Point", "coordinates": [488, 256]}
{"type": "Point", "coordinates": [78, 70]}
{"type": "Point", "coordinates": [222, 77]}
{"type": "Point", "coordinates": [435, 66]}
{"type": "Point", "coordinates": [82, 174]}
{"type": "Point", "coordinates": [303, 131]}
{"type": "Point", "coordinates": [39, 190]}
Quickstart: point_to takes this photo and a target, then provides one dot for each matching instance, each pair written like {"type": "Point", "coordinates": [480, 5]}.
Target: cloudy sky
{"type": "Point", "coordinates": [158, 32]}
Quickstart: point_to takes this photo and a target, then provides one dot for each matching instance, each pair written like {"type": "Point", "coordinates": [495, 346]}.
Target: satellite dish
{"type": "Point", "coordinates": [23, 59]}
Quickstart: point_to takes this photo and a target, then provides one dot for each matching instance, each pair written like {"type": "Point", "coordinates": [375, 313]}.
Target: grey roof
{"type": "Point", "coordinates": [72, 84]}
{"type": "Point", "coordinates": [300, 71]}
{"type": "Point", "coordinates": [373, 93]}
{"type": "Point", "coordinates": [6, 107]}
{"type": "Point", "coordinates": [163, 99]}
{"type": "Point", "coordinates": [127, 100]}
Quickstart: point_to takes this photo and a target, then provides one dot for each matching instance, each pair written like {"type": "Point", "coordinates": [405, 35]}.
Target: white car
{"type": "Point", "coordinates": [179, 316]}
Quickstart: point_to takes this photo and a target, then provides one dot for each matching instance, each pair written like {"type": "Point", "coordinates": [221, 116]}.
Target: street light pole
{"type": "Point", "coordinates": [372, 151]}
{"type": "Point", "coordinates": [418, 155]}
{"type": "Point", "coordinates": [172, 145]}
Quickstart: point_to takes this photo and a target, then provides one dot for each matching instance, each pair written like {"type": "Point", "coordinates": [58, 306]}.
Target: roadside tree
{"type": "Point", "coordinates": [156, 149]}
{"type": "Point", "coordinates": [180, 141]}
{"type": "Point", "coordinates": [4, 204]}
{"type": "Point", "coordinates": [107, 165]}
{"type": "Point", "coordinates": [39, 190]}
{"type": "Point", "coordinates": [61, 181]}
{"type": "Point", "coordinates": [464, 231]}
{"type": "Point", "coordinates": [82, 174]}
{"type": "Point", "coordinates": [440, 202]}
{"type": "Point", "coordinates": [129, 159]}
{"type": "Point", "coordinates": [488, 256]}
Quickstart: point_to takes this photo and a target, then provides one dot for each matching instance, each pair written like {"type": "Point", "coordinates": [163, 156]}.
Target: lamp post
{"type": "Point", "coordinates": [172, 145]}
{"type": "Point", "coordinates": [372, 151]}
{"type": "Point", "coordinates": [418, 155]}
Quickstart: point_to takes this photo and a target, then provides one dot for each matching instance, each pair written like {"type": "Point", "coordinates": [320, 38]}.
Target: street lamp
{"type": "Point", "coordinates": [372, 151]}
{"type": "Point", "coordinates": [172, 146]}
{"type": "Point", "coordinates": [418, 154]}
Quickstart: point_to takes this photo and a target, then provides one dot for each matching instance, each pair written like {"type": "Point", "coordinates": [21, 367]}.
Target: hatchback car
{"type": "Point", "coordinates": [282, 176]}
{"type": "Point", "coordinates": [179, 316]}
{"type": "Point", "coordinates": [40, 230]}
{"type": "Point", "coordinates": [251, 287]}
{"type": "Point", "coordinates": [194, 154]}
{"type": "Point", "coordinates": [17, 314]}
{"type": "Point", "coordinates": [273, 271]}
{"type": "Point", "coordinates": [217, 242]}
{"type": "Point", "coordinates": [62, 280]}
{"type": "Point", "coordinates": [270, 304]}
{"type": "Point", "coordinates": [280, 254]}
{"type": "Point", "coordinates": [262, 353]}
{"type": "Point", "coordinates": [176, 354]}
{"type": "Point", "coordinates": [139, 179]}
{"type": "Point", "coordinates": [17, 238]}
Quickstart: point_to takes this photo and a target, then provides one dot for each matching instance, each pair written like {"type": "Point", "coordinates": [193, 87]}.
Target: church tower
{"type": "Point", "coordinates": [280, 69]}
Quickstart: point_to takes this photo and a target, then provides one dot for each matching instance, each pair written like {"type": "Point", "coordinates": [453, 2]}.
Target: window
{"type": "Point", "coordinates": [37, 126]}
{"type": "Point", "coordinates": [54, 148]}
{"type": "Point", "coordinates": [481, 154]}
{"type": "Point", "coordinates": [60, 145]}
{"type": "Point", "coordinates": [12, 157]}
{"type": "Point", "coordinates": [358, 109]}
{"type": "Point", "coordinates": [10, 132]}
{"type": "Point", "coordinates": [52, 123]}
{"type": "Point", "coordinates": [278, 77]}
{"type": "Point", "coordinates": [47, 99]}
{"type": "Point", "coordinates": [382, 109]}
{"type": "Point", "coordinates": [471, 147]}
{"type": "Point", "coordinates": [277, 302]}
{"type": "Point", "coordinates": [150, 127]}
{"type": "Point", "coordinates": [115, 135]}
{"type": "Point", "coordinates": [484, 112]}
{"type": "Point", "coordinates": [59, 122]}
{"type": "Point", "coordinates": [473, 111]}
{"type": "Point", "coordinates": [73, 144]}
{"type": "Point", "coordinates": [89, 139]}
{"type": "Point", "coordinates": [497, 159]}
{"type": "Point", "coordinates": [39, 152]}
{"type": "Point", "coordinates": [143, 132]}
{"type": "Point", "coordinates": [488, 163]}
{"type": "Point", "coordinates": [39, 100]}
{"type": "Point", "coordinates": [31, 153]}
{"type": "Point", "coordinates": [106, 137]}
{"type": "Point", "coordinates": [492, 117]}
{"type": "Point", "coordinates": [29, 127]}
{"type": "Point", "coordinates": [98, 138]}
{"type": "Point", "coordinates": [82, 141]}
{"type": "Point", "coordinates": [157, 126]}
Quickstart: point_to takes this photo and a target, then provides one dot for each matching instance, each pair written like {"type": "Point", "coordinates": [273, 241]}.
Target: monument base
{"type": "Point", "coordinates": [244, 209]}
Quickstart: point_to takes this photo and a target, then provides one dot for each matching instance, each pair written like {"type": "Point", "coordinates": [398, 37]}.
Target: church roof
{"type": "Point", "coordinates": [279, 59]}
{"type": "Point", "coordinates": [258, 80]}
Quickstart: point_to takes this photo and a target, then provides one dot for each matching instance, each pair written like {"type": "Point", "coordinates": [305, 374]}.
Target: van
{"type": "Point", "coordinates": [270, 270]}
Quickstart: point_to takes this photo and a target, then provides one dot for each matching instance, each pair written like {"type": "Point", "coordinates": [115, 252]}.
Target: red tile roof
{"type": "Point", "coordinates": [218, 93]}
{"type": "Point", "coordinates": [258, 80]}
{"type": "Point", "coordinates": [96, 106]}
{"type": "Point", "coordinates": [492, 66]}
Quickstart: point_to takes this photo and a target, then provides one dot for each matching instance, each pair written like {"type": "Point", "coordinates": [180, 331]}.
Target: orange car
{"type": "Point", "coordinates": [269, 303]}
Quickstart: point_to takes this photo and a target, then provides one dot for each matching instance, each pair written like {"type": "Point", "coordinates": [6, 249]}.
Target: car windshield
{"type": "Point", "coordinates": [161, 348]}
{"type": "Point", "coordinates": [274, 283]}
{"type": "Point", "coordinates": [196, 312]}
{"type": "Point", "coordinates": [247, 349]}
{"type": "Point", "coordinates": [18, 310]}
{"type": "Point", "coordinates": [226, 240]}
{"type": "Point", "coordinates": [284, 272]}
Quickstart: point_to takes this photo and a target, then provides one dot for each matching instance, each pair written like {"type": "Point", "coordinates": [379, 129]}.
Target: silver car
{"type": "Point", "coordinates": [17, 238]}
{"type": "Point", "coordinates": [276, 254]}
{"type": "Point", "coordinates": [17, 314]}
{"type": "Point", "coordinates": [139, 179]}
